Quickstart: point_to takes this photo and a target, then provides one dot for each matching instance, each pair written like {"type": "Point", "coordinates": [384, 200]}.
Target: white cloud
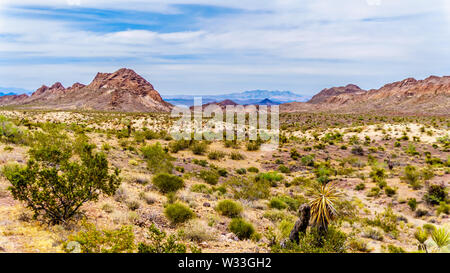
{"type": "Point", "coordinates": [285, 39]}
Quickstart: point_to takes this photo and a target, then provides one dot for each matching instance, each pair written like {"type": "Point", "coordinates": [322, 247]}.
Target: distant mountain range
{"type": "Point", "coordinates": [6, 91]}
{"type": "Point", "coordinates": [126, 91]}
{"type": "Point", "coordinates": [257, 97]}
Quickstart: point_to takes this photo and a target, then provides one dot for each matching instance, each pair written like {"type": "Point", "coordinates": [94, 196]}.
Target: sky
{"type": "Point", "coordinates": [213, 47]}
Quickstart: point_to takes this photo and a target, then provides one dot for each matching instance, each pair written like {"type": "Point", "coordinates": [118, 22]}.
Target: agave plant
{"type": "Point", "coordinates": [441, 238]}
{"type": "Point", "coordinates": [323, 209]}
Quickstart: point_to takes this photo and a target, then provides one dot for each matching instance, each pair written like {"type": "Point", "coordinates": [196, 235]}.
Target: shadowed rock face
{"type": "Point", "coordinates": [123, 90]}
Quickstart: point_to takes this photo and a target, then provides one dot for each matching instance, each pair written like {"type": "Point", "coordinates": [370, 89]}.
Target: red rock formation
{"type": "Point", "coordinates": [123, 90]}
{"type": "Point", "coordinates": [428, 96]}
{"type": "Point", "coordinates": [323, 95]}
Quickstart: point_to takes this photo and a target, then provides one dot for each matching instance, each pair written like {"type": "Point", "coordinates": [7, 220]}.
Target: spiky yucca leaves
{"type": "Point", "coordinates": [323, 209]}
{"type": "Point", "coordinates": [441, 238]}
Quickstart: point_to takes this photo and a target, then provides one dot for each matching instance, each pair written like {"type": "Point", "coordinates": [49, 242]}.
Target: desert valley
{"type": "Point", "coordinates": [94, 168]}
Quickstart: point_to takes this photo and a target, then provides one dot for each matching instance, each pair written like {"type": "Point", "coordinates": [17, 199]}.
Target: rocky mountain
{"type": "Point", "coordinates": [410, 96]}
{"type": "Point", "coordinates": [123, 90]}
{"type": "Point", "coordinates": [323, 95]}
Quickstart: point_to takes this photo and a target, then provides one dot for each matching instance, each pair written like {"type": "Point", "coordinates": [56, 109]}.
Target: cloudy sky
{"type": "Point", "coordinates": [207, 46]}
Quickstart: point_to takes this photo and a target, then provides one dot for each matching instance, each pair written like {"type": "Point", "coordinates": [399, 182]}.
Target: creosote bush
{"type": "Point", "coordinates": [92, 240]}
{"type": "Point", "coordinates": [168, 183]}
{"type": "Point", "coordinates": [57, 190]}
{"type": "Point", "coordinates": [178, 213]}
{"type": "Point", "coordinates": [229, 208]}
{"type": "Point", "coordinates": [159, 242]}
{"type": "Point", "coordinates": [210, 177]}
{"type": "Point", "coordinates": [241, 228]}
{"type": "Point", "coordinates": [158, 160]}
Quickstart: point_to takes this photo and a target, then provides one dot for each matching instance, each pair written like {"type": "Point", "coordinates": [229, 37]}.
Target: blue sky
{"type": "Point", "coordinates": [211, 47]}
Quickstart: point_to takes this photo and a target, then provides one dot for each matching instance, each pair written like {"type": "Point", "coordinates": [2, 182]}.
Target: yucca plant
{"type": "Point", "coordinates": [323, 209]}
{"type": "Point", "coordinates": [421, 236]}
{"type": "Point", "coordinates": [441, 238]}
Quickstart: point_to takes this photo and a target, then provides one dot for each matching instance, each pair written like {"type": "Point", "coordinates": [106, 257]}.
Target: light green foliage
{"type": "Point", "coordinates": [242, 228]}
{"type": "Point", "coordinates": [158, 160]}
{"type": "Point", "coordinates": [167, 183]}
{"type": "Point", "coordinates": [178, 213]}
{"type": "Point", "coordinates": [92, 240]}
{"type": "Point", "coordinates": [229, 208]}
{"type": "Point", "coordinates": [160, 243]}
{"type": "Point", "coordinates": [58, 191]}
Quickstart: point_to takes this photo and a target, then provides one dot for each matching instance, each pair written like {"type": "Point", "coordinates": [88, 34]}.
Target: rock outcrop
{"type": "Point", "coordinates": [123, 90]}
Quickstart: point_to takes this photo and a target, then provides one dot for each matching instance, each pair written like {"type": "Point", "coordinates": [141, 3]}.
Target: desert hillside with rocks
{"type": "Point", "coordinates": [123, 90]}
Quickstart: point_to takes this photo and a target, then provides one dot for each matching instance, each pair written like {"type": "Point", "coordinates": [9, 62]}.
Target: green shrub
{"type": "Point", "coordinates": [253, 170]}
{"type": "Point", "coordinates": [386, 220]}
{"type": "Point", "coordinates": [436, 194]}
{"type": "Point", "coordinates": [315, 241]}
{"type": "Point", "coordinates": [160, 243]}
{"type": "Point", "coordinates": [210, 177]}
{"type": "Point", "coordinates": [390, 191]}
{"type": "Point", "coordinates": [178, 145]}
{"type": "Point", "coordinates": [216, 155]}
{"type": "Point", "coordinates": [178, 213]}
{"type": "Point", "coordinates": [277, 215]}
{"type": "Point", "coordinates": [10, 133]}
{"type": "Point", "coordinates": [271, 177]}
{"type": "Point", "coordinates": [222, 172]}
{"type": "Point", "coordinates": [308, 160]}
{"type": "Point", "coordinates": [158, 160]}
{"type": "Point", "coordinates": [375, 191]}
{"type": "Point", "coordinates": [237, 156]}
{"type": "Point", "coordinates": [168, 183]}
{"type": "Point", "coordinates": [412, 203]}
{"type": "Point", "coordinates": [58, 192]}
{"type": "Point", "coordinates": [51, 148]}
{"type": "Point", "coordinates": [412, 177]}
{"type": "Point", "coordinates": [395, 249]}
{"type": "Point", "coordinates": [284, 169]}
{"type": "Point", "coordinates": [242, 228]}
{"type": "Point", "coordinates": [277, 203]}
{"type": "Point", "coordinates": [360, 187]}
{"type": "Point", "coordinates": [229, 208]}
{"type": "Point", "coordinates": [92, 240]}
{"type": "Point", "coordinates": [201, 162]}
{"type": "Point", "coordinates": [241, 171]}
{"type": "Point", "coordinates": [411, 150]}
{"type": "Point", "coordinates": [249, 189]}
{"type": "Point", "coordinates": [253, 146]}
{"type": "Point", "coordinates": [377, 174]}
{"type": "Point", "coordinates": [443, 208]}
{"type": "Point", "coordinates": [199, 148]}
{"type": "Point", "coordinates": [201, 188]}
{"type": "Point", "coordinates": [294, 154]}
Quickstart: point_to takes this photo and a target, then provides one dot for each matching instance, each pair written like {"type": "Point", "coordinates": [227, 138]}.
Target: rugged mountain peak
{"type": "Point", "coordinates": [326, 93]}
{"type": "Point", "coordinates": [76, 86]}
{"type": "Point", "coordinates": [57, 86]}
{"type": "Point", "coordinates": [40, 90]}
{"type": "Point", "coordinates": [124, 79]}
